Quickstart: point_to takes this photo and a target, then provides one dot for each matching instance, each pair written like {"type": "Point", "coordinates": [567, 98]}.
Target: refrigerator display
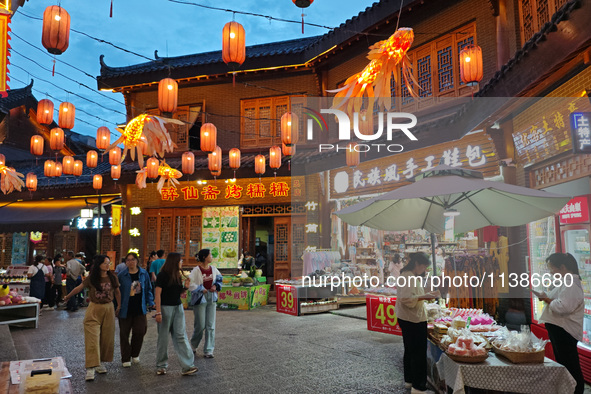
{"type": "Point", "coordinates": [542, 243]}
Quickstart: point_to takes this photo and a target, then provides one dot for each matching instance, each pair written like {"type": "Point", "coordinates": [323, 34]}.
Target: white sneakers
{"type": "Point", "coordinates": [135, 360]}
{"type": "Point", "coordinates": [89, 374]}
{"type": "Point", "coordinates": [101, 369]}
{"type": "Point", "coordinates": [126, 364]}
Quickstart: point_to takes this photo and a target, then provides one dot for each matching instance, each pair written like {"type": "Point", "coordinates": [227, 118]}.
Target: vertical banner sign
{"type": "Point", "coordinates": [116, 219]}
{"type": "Point", "coordinates": [381, 314]}
{"type": "Point", "coordinates": [4, 47]}
{"type": "Point", "coordinates": [220, 235]}
{"type": "Point", "coordinates": [581, 131]}
{"type": "Point", "coordinates": [287, 300]}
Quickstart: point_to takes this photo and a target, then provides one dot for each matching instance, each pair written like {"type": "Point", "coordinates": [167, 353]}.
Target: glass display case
{"type": "Point", "coordinates": [542, 243]}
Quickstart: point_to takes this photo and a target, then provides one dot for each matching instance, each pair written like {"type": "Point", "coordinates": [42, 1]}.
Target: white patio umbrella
{"type": "Point", "coordinates": [479, 203]}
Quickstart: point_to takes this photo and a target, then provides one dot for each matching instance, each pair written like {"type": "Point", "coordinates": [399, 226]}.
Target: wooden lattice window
{"type": "Point", "coordinates": [435, 66]}
{"type": "Point", "coordinates": [534, 14]}
{"type": "Point", "coordinates": [6, 251]}
{"type": "Point", "coordinates": [278, 209]}
{"type": "Point", "coordinates": [190, 115]}
{"type": "Point", "coordinates": [174, 230]}
{"type": "Point", "coordinates": [152, 233]}
{"type": "Point", "coordinates": [165, 231]}
{"type": "Point", "coordinates": [282, 242]}
{"type": "Point", "coordinates": [180, 234]}
{"type": "Point", "coordinates": [260, 122]}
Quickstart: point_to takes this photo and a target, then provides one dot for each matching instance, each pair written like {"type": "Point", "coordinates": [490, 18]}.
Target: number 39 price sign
{"type": "Point", "coordinates": [287, 300]}
{"type": "Point", "coordinates": [381, 316]}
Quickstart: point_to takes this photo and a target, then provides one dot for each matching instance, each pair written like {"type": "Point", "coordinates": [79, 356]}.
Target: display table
{"type": "Point", "coordinates": [243, 297]}
{"type": "Point", "coordinates": [499, 374]}
{"type": "Point", "coordinates": [22, 315]}
{"type": "Point", "coordinates": [7, 387]}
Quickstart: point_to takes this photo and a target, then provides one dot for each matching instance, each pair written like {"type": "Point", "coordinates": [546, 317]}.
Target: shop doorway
{"type": "Point", "coordinates": [259, 241]}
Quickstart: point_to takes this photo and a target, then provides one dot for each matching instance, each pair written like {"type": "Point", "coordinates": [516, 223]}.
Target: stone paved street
{"type": "Point", "coordinates": [256, 351]}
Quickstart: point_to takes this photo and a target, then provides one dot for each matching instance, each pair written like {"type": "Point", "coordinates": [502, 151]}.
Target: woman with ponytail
{"type": "Point", "coordinates": [563, 314]}
{"type": "Point", "coordinates": [206, 281]}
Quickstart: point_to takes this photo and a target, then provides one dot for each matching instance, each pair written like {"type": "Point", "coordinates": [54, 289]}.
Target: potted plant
{"type": "Point", "coordinates": [236, 282]}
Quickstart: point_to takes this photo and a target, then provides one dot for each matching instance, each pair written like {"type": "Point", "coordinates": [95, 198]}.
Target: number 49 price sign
{"type": "Point", "coordinates": [381, 315]}
{"type": "Point", "coordinates": [287, 300]}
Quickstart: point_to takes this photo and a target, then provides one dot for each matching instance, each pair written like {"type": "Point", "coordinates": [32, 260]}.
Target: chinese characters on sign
{"type": "Point", "coordinates": [581, 131]}
{"type": "Point", "coordinates": [575, 211]}
{"type": "Point", "coordinates": [212, 193]}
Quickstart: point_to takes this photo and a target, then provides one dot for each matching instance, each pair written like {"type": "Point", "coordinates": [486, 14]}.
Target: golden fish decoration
{"type": "Point", "coordinates": [167, 174]}
{"type": "Point", "coordinates": [10, 180]}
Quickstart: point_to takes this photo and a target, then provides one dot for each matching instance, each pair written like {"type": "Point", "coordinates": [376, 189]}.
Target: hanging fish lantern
{"type": "Point", "coordinates": [10, 180]}
{"type": "Point", "coordinates": [167, 174]}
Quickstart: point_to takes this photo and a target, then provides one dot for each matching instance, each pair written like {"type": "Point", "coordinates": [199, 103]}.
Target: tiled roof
{"type": "Point", "coordinates": [17, 97]}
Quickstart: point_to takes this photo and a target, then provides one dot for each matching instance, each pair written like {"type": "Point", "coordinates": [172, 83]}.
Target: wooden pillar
{"type": "Point", "coordinates": [503, 50]}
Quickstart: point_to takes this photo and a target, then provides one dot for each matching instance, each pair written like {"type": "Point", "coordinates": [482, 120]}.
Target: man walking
{"type": "Point", "coordinates": [74, 270]}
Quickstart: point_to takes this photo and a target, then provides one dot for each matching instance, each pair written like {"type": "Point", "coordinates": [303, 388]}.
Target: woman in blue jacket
{"type": "Point", "coordinates": [206, 281]}
{"type": "Point", "coordinates": [136, 295]}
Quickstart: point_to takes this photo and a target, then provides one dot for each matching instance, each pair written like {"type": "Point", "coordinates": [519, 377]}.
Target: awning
{"type": "Point", "coordinates": [47, 215]}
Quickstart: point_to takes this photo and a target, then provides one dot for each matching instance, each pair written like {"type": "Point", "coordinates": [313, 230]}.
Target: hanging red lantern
{"type": "Point", "coordinates": [97, 182]}
{"type": "Point", "coordinates": [115, 156]}
{"type": "Point", "coordinates": [115, 172]}
{"type": "Point", "coordinates": [56, 139]}
{"type": "Point", "coordinates": [58, 169]}
{"type": "Point", "coordinates": [91, 159]}
{"type": "Point", "coordinates": [365, 122]}
{"type": "Point", "coordinates": [259, 164]}
{"type": "Point", "coordinates": [188, 161]}
{"type": "Point", "coordinates": [78, 167]}
{"type": "Point", "coordinates": [234, 158]}
{"type": "Point", "coordinates": [49, 168]}
{"type": "Point", "coordinates": [31, 182]}
{"type": "Point", "coordinates": [289, 128]}
{"type": "Point", "coordinates": [152, 167]}
{"type": "Point", "coordinates": [66, 115]}
{"type": "Point", "coordinates": [208, 137]}
{"type": "Point", "coordinates": [56, 30]}
{"type": "Point", "coordinates": [303, 4]}
{"type": "Point", "coordinates": [103, 137]}
{"type": "Point", "coordinates": [45, 111]}
{"type": "Point", "coordinates": [37, 143]}
{"type": "Point", "coordinates": [2, 160]}
{"type": "Point", "coordinates": [167, 95]}
{"type": "Point", "coordinates": [275, 157]}
{"type": "Point", "coordinates": [352, 155]}
{"type": "Point", "coordinates": [215, 159]}
{"type": "Point", "coordinates": [471, 64]}
{"type": "Point", "coordinates": [288, 151]}
{"type": "Point", "coordinates": [233, 45]}
{"type": "Point", "coordinates": [68, 165]}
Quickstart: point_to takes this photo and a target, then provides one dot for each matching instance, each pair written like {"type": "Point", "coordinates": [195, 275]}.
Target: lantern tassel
{"type": "Point", "coordinates": [289, 165]}
{"type": "Point", "coordinates": [233, 79]}
{"type": "Point", "coordinates": [111, 13]}
{"type": "Point", "coordinates": [302, 23]}
{"type": "Point", "coordinates": [53, 69]}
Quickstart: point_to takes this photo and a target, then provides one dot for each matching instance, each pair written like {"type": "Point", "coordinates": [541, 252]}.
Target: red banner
{"type": "Point", "coordinates": [575, 211]}
{"type": "Point", "coordinates": [287, 300]}
{"type": "Point", "coordinates": [4, 47]}
{"type": "Point", "coordinates": [381, 315]}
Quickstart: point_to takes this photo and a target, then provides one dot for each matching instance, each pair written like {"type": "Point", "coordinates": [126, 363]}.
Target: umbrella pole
{"type": "Point", "coordinates": [433, 239]}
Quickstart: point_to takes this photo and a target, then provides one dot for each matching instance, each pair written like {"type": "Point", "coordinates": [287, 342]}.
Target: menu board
{"type": "Point", "coordinates": [20, 248]}
{"type": "Point", "coordinates": [220, 235]}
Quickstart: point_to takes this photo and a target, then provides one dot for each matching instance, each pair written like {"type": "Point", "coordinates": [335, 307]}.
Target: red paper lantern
{"type": "Point", "coordinates": [66, 116]}
{"type": "Point", "coordinates": [115, 172]}
{"type": "Point", "coordinates": [188, 161]}
{"type": "Point", "coordinates": [275, 157]}
{"type": "Point", "coordinates": [97, 182]}
{"type": "Point", "coordinates": [115, 156]}
{"type": "Point", "coordinates": [49, 168]}
{"type": "Point", "coordinates": [208, 137]}
{"type": "Point", "coordinates": [167, 95]}
{"type": "Point", "coordinates": [352, 155]}
{"type": "Point", "coordinates": [56, 139]}
{"type": "Point", "coordinates": [471, 64]}
{"type": "Point", "coordinates": [45, 111]}
{"type": "Point", "coordinates": [259, 164]}
{"type": "Point", "coordinates": [37, 143]}
{"type": "Point", "coordinates": [56, 30]}
{"type": "Point", "coordinates": [288, 151]}
{"type": "Point", "coordinates": [233, 44]}
{"type": "Point", "coordinates": [2, 160]}
{"type": "Point", "coordinates": [103, 137]}
{"type": "Point", "coordinates": [68, 165]}
{"type": "Point", "coordinates": [91, 159]}
{"type": "Point", "coordinates": [31, 182]}
{"type": "Point", "coordinates": [215, 159]}
{"type": "Point", "coordinates": [78, 167]}
{"type": "Point", "coordinates": [234, 158]}
{"type": "Point", "coordinates": [152, 167]}
{"type": "Point", "coordinates": [365, 122]}
{"type": "Point", "coordinates": [289, 128]}
{"type": "Point", "coordinates": [58, 169]}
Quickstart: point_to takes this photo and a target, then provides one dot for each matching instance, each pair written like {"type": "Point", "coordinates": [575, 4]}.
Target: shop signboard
{"type": "Point", "coordinates": [575, 211]}
{"type": "Point", "coordinates": [381, 315]}
{"type": "Point", "coordinates": [220, 235]}
{"type": "Point", "coordinates": [234, 298]}
{"type": "Point", "coordinates": [20, 248]}
{"type": "Point", "coordinates": [287, 300]}
{"type": "Point", "coordinates": [260, 296]}
{"type": "Point", "coordinates": [581, 131]}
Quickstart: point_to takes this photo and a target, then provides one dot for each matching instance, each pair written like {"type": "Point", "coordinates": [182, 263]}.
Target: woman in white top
{"type": "Point", "coordinates": [412, 318]}
{"type": "Point", "coordinates": [563, 314]}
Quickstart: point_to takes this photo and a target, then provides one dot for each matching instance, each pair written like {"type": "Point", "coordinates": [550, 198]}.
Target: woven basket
{"type": "Point", "coordinates": [521, 357]}
{"type": "Point", "coordinates": [467, 359]}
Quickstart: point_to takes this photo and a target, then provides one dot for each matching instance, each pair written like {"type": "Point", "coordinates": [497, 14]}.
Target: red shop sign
{"type": "Point", "coordinates": [575, 211]}
{"type": "Point", "coordinates": [381, 315]}
{"type": "Point", "coordinates": [287, 300]}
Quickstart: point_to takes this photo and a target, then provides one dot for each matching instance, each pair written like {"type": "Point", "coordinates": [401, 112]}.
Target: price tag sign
{"type": "Point", "coordinates": [381, 315]}
{"type": "Point", "coordinates": [287, 300]}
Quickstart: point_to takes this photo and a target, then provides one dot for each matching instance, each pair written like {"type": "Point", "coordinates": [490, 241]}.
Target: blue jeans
{"type": "Point", "coordinates": [72, 302]}
{"type": "Point", "coordinates": [173, 322]}
{"type": "Point", "coordinates": [204, 321]}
